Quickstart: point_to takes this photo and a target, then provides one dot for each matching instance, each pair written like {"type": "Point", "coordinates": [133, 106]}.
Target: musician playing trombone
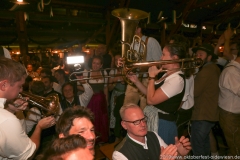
{"type": "Point", "coordinates": [166, 93]}
{"type": "Point", "coordinates": [153, 53]}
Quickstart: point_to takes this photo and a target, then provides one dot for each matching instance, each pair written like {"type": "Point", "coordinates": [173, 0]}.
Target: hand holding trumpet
{"type": "Point", "coordinates": [16, 105]}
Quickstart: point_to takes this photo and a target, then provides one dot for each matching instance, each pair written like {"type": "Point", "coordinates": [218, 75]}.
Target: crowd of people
{"type": "Point", "coordinates": [150, 116]}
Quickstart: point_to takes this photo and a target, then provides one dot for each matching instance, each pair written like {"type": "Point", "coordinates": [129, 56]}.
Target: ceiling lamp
{"type": "Point", "coordinates": [20, 2]}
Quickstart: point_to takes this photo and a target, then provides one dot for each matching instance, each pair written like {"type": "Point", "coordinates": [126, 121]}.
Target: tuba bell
{"type": "Point", "coordinates": [47, 105]}
{"type": "Point", "coordinates": [129, 19]}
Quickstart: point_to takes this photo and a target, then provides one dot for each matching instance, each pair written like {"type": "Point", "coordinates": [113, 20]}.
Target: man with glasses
{"type": "Point", "coordinates": [139, 144]}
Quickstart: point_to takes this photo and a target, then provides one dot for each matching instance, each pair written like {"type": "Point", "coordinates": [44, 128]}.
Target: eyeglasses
{"type": "Point", "coordinates": [137, 122]}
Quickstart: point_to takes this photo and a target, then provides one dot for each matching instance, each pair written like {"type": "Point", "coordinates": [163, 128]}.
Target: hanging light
{"type": "Point", "coordinates": [20, 2]}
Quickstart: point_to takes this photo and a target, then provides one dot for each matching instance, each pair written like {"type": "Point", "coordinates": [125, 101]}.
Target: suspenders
{"type": "Point", "coordinates": [145, 55]}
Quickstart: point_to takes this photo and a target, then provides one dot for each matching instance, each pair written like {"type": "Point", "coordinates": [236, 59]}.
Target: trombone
{"type": "Point", "coordinates": [141, 67]}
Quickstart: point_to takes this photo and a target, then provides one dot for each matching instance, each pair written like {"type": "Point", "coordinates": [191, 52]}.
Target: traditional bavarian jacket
{"type": "Point", "coordinates": [134, 151]}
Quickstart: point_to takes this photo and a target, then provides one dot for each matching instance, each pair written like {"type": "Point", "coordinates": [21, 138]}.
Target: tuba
{"type": "Point", "coordinates": [129, 19]}
{"type": "Point", "coordinates": [47, 105]}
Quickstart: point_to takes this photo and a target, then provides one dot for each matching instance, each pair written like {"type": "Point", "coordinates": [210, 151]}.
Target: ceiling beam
{"type": "Point", "coordinates": [57, 18]}
{"type": "Point", "coordinates": [223, 19]}
{"type": "Point", "coordinates": [46, 32]}
{"type": "Point", "coordinates": [184, 16]}
{"type": "Point", "coordinates": [228, 14]}
{"type": "Point", "coordinates": [76, 5]}
{"type": "Point", "coordinates": [204, 4]}
{"type": "Point", "coordinates": [95, 34]}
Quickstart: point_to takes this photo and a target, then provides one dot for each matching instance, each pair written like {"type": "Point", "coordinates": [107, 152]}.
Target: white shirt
{"type": "Point", "coordinates": [14, 143]}
{"type": "Point", "coordinates": [32, 119]}
{"type": "Point", "coordinates": [188, 97]}
{"type": "Point", "coordinates": [229, 83]}
{"type": "Point", "coordinates": [119, 156]}
{"type": "Point", "coordinates": [57, 87]}
{"type": "Point", "coordinates": [86, 96]}
{"type": "Point", "coordinates": [222, 61]}
{"type": "Point", "coordinates": [173, 84]}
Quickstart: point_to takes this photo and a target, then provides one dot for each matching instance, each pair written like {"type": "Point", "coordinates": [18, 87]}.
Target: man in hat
{"type": "Point", "coordinates": [206, 91]}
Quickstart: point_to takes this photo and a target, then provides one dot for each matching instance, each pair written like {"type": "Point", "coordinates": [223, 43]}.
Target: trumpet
{"type": "Point", "coordinates": [47, 105]}
{"type": "Point", "coordinates": [141, 67]}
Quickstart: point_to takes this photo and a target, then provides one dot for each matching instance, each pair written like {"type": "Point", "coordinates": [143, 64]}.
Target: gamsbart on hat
{"type": "Point", "coordinates": [207, 48]}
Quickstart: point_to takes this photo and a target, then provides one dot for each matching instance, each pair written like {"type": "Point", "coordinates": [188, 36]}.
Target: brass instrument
{"type": "Point", "coordinates": [140, 67]}
{"type": "Point", "coordinates": [133, 59]}
{"type": "Point", "coordinates": [129, 19]}
{"type": "Point", "coordinates": [47, 105]}
{"type": "Point", "coordinates": [185, 64]}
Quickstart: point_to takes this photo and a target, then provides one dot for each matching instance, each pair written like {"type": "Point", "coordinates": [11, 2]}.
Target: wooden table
{"type": "Point", "coordinates": [107, 149]}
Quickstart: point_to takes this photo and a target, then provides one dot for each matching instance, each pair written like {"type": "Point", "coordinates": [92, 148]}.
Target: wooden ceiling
{"type": "Point", "coordinates": [63, 23]}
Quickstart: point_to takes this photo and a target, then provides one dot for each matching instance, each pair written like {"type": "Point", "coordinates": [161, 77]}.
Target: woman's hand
{"type": "Point", "coordinates": [80, 78]}
{"type": "Point", "coordinates": [153, 71]}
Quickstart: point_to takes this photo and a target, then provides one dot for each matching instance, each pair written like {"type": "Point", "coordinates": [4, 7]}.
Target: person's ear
{"type": "Point", "coordinates": [3, 85]}
{"type": "Point", "coordinates": [124, 125]}
{"type": "Point", "coordinates": [61, 135]}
